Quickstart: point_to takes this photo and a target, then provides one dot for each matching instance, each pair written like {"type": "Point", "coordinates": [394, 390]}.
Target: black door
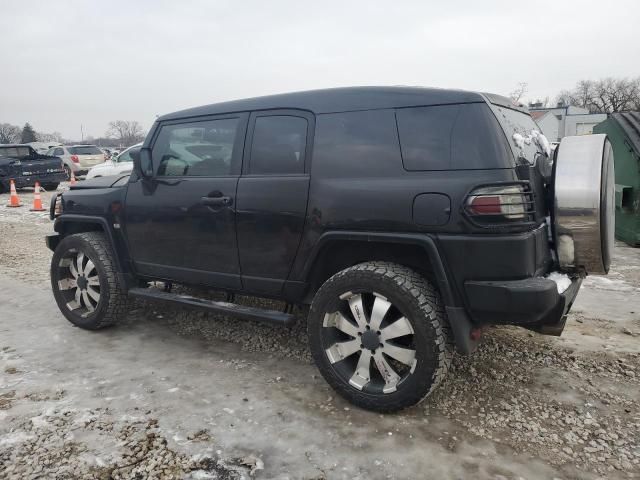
{"type": "Point", "coordinates": [180, 224]}
{"type": "Point", "coordinates": [272, 197]}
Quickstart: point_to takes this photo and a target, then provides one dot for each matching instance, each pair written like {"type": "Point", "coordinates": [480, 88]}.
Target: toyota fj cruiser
{"type": "Point", "coordinates": [406, 218]}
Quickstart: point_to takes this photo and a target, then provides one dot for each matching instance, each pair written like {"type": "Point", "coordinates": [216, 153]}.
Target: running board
{"type": "Point", "coordinates": [224, 308]}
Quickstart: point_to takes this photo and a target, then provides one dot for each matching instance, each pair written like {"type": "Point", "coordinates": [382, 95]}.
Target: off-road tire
{"type": "Point", "coordinates": [418, 301]}
{"type": "Point", "coordinates": [114, 302]}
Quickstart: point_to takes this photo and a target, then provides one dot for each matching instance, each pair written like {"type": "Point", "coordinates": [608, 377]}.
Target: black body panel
{"type": "Point", "coordinates": [365, 184]}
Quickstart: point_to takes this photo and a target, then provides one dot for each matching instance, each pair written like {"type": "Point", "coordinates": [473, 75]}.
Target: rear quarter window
{"type": "Point", "coordinates": [515, 122]}
{"type": "Point", "coordinates": [452, 137]}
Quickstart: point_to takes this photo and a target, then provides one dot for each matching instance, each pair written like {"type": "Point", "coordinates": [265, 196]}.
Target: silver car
{"type": "Point", "coordinates": [78, 158]}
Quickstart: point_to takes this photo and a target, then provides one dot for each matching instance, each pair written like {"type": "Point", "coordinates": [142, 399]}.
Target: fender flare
{"type": "Point", "coordinates": [60, 221]}
{"type": "Point", "coordinates": [459, 320]}
{"type": "Point", "coordinates": [427, 242]}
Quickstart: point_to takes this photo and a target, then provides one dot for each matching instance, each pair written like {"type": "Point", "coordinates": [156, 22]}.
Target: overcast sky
{"type": "Point", "coordinates": [67, 63]}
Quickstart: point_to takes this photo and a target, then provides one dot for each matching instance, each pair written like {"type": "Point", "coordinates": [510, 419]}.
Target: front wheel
{"type": "Point", "coordinates": [379, 335]}
{"type": "Point", "coordinates": [85, 283]}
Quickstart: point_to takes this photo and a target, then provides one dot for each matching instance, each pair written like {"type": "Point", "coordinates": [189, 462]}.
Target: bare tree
{"type": "Point", "coordinates": [9, 133]}
{"type": "Point", "coordinates": [127, 132]}
{"type": "Point", "coordinates": [519, 92]}
{"type": "Point", "coordinates": [50, 137]}
{"type": "Point", "coordinates": [607, 95]}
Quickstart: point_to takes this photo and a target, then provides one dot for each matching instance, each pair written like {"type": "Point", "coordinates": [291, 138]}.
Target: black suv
{"type": "Point", "coordinates": [406, 218]}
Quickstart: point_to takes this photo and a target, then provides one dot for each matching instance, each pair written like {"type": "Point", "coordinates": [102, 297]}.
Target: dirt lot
{"type": "Point", "coordinates": [170, 394]}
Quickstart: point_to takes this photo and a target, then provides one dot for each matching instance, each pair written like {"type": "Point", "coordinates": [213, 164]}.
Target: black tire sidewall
{"type": "Point", "coordinates": [93, 320]}
{"type": "Point", "coordinates": [418, 384]}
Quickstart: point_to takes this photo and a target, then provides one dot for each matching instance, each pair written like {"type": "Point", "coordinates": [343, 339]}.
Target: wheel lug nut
{"type": "Point", "coordinates": [361, 345]}
{"type": "Point", "coordinates": [381, 345]}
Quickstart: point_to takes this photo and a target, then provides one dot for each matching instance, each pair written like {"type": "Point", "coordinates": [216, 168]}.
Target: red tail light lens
{"type": "Point", "coordinates": [74, 159]}
{"type": "Point", "coordinates": [500, 203]}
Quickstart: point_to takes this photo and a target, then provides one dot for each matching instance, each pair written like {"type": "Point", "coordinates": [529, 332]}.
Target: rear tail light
{"type": "Point", "coordinates": [74, 159]}
{"type": "Point", "coordinates": [500, 204]}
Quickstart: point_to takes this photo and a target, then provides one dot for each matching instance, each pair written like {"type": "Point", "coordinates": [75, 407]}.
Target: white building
{"type": "Point", "coordinates": [562, 121]}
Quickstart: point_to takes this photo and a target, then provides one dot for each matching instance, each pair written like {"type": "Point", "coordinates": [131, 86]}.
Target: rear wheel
{"type": "Point", "coordinates": [379, 336]}
{"type": "Point", "coordinates": [84, 281]}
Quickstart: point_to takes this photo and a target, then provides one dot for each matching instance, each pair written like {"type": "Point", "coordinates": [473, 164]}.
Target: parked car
{"type": "Point", "coordinates": [405, 219]}
{"type": "Point", "coordinates": [117, 165]}
{"type": "Point", "coordinates": [78, 158]}
{"type": "Point", "coordinates": [25, 166]}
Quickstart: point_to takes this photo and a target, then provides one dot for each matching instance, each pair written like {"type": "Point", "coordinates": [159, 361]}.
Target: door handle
{"type": "Point", "coordinates": [216, 201]}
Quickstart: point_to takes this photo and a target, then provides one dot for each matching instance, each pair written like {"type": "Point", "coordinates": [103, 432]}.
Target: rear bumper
{"type": "Point", "coordinates": [531, 302]}
{"type": "Point", "coordinates": [30, 181]}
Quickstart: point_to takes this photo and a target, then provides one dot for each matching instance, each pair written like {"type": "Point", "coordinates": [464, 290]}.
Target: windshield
{"type": "Point", "coordinates": [126, 155]}
{"type": "Point", "coordinates": [85, 150]}
{"type": "Point", "coordinates": [523, 133]}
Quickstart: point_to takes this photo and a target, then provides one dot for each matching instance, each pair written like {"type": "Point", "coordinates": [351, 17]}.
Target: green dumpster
{"type": "Point", "coordinates": [623, 130]}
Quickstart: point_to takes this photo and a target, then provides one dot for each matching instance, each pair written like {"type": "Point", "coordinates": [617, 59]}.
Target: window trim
{"type": "Point", "coordinates": [284, 112]}
{"type": "Point", "coordinates": [238, 147]}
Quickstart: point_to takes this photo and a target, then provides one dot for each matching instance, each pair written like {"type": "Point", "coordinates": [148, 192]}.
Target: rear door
{"type": "Point", "coordinates": [180, 224]}
{"type": "Point", "coordinates": [272, 196]}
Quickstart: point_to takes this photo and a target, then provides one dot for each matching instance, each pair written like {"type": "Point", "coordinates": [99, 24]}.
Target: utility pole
{"type": "Point", "coordinates": [81, 134]}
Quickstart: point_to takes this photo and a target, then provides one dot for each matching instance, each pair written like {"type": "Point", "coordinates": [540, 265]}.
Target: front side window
{"type": "Point", "coordinates": [278, 146]}
{"type": "Point", "coordinates": [198, 149]}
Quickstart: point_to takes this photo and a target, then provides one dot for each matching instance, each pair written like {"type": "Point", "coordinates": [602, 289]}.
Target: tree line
{"type": "Point", "coordinates": [607, 95]}
{"type": "Point", "coordinates": [120, 133]}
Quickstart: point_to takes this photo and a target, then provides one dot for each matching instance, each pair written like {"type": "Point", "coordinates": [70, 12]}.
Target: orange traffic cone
{"type": "Point", "coordinates": [14, 200]}
{"type": "Point", "coordinates": [37, 200]}
{"type": "Point", "coordinates": [73, 180]}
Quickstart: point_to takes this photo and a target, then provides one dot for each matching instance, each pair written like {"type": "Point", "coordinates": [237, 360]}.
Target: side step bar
{"type": "Point", "coordinates": [248, 313]}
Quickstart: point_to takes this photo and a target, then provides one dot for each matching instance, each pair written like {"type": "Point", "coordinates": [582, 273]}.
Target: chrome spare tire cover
{"type": "Point", "coordinates": [584, 204]}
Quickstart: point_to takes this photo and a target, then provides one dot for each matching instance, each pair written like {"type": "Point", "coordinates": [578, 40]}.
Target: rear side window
{"type": "Point", "coordinates": [356, 144]}
{"type": "Point", "coordinates": [58, 151]}
{"type": "Point", "coordinates": [452, 137]}
{"type": "Point", "coordinates": [17, 152]}
{"type": "Point", "coordinates": [85, 150]}
{"type": "Point", "coordinates": [278, 145]}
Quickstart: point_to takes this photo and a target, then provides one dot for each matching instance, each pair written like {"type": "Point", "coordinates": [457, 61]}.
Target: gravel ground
{"type": "Point", "coordinates": [568, 406]}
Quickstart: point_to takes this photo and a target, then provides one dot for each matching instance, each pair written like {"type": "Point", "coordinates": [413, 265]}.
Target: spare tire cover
{"type": "Point", "coordinates": [584, 204]}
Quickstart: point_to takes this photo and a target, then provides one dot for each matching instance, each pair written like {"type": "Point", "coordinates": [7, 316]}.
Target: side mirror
{"type": "Point", "coordinates": [142, 162]}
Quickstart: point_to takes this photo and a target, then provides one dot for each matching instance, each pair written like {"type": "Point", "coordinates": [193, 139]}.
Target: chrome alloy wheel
{"type": "Point", "coordinates": [368, 327]}
{"type": "Point", "coordinates": [79, 282]}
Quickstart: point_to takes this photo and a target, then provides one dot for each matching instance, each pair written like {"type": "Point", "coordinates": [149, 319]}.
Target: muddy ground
{"type": "Point", "coordinates": [170, 394]}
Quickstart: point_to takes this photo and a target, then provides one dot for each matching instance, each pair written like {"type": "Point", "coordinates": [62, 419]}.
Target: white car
{"type": "Point", "coordinates": [117, 165]}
